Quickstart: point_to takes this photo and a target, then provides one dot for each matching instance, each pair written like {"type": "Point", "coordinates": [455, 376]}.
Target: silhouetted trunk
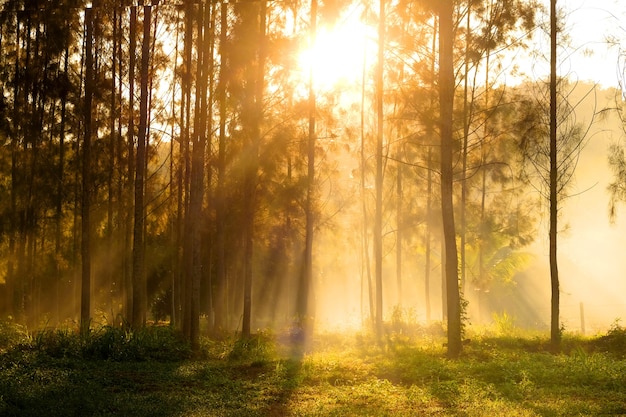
{"type": "Point", "coordinates": [197, 172]}
{"type": "Point", "coordinates": [464, 151]}
{"type": "Point", "coordinates": [430, 134]}
{"type": "Point", "coordinates": [555, 330]}
{"type": "Point", "coordinates": [446, 102]}
{"type": "Point", "coordinates": [85, 297]}
{"type": "Point", "coordinates": [128, 227]}
{"type": "Point", "coordinates": [174, 194]}
{"type": "Point", "coordinates": [378, 216]}
{"type": "Point", "coordinates": [220, 217]}
{"type": "Point", "coordinates": [187, 236]}
{"type": "Point", "coordinates": [365, 247]}
{"type": "Point", "coordinates": [307, 267]}
{"type": "Point", "coordinates": [399, 233]}
{"type": "Point", "coordinates": [427, 267]}
{"type": "Point", "coordinates": [139, 274]}
{"type": "Point", "coordinates": [111, 272]}
{"type": "Point", "coordinates": [58, 234]}
{"type": "Point", "coordinates": [253, 19]}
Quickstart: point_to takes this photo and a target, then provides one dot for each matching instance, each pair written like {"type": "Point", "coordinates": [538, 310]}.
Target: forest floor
{"type": "Point", "coordinates": [57, 373]}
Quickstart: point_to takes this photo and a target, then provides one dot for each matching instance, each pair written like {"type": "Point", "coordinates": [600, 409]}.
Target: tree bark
{"type": "Point", "coordinates": [378, 216]}
{"type": "Point", "coordinates": [306, 275]}
{"type": "Point", "coordinates": [85, 294]}
{"type": "Point", "coordinates": [555, 330]}
{"type": "Point", "coordinates": [139, 273]}
{"type": "Point", "coordinates": [446, 102]}
{"type": "Point", "coordinates": [220, 279]}
{"type": "Point", "coordinates": [128, 238]}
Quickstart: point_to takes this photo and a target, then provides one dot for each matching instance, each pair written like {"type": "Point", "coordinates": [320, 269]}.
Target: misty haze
{"type": "Point", "coordinates": [312, 208]}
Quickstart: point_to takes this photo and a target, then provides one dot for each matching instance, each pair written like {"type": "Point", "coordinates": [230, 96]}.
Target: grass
{"type": "Point", "coordinates": [151, 373]}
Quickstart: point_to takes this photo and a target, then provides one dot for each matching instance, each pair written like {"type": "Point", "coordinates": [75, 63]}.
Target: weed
{"type": "Point", "coordinates": [257, 348]}
{"type": "Point", "coordinates": [12, 334]}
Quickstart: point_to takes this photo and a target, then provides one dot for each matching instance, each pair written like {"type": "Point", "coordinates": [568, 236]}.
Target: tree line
{"type": "Point", "coordinates": [172, 160]}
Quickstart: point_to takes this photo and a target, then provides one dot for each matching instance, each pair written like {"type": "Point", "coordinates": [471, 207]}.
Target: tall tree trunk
{"type": "Point", "coordinates": [197, 173]}
{"type": "Point", "coordinates": [85, 298]}
{"type": "Point", "coordinates": [112, 255]}
{"type": "Point", "coordinates": [174, 193]}
{"type": "Point", "coordinates": [399, 233]}
{"type": "Point", "coordinates": [58, 234]}
{"type": "Point", "coordinates": [255, 84]}
{"type": "Point", "coordinates": [430, 134]}
{"type": "Point", "coordinates": [429, 210]}
{"type": "Point", "coordinates": [466, 126]}
{"type": "Point", "coordinates": [187, 236]}
{"type": "Point", "coordinates": [139, 273]}
{"type": "Point", "coordinates": [378, 216]}
{"type": "Point", "coordinates": [128, 238]}
{"type": "Point", "coordinates": [365, 247]}
{"type": "Point", "coordinates": [446, 102]}
{"type": "Point", "coordinates": [555, 330]}
{"type": "Point", "coordinates": [220, 218]}
{"type": "Point", "coordinates": [306, 277]}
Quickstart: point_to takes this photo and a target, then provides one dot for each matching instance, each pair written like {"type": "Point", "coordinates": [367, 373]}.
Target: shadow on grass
{"type": "Point", "coordinates": [246, 378]}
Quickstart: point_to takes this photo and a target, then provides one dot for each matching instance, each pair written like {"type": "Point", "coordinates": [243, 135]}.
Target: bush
{"type": "Point", "coordinates": [12, 335]}
{"type": "Point", "coordinates": [614, 341]}
{"type": "Point", "coordinates": [258, 348]}
{"type": "Point", "coordinates": [160, 343]}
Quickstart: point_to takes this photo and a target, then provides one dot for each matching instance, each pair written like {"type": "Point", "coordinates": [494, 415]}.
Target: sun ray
{"type": "Point", "coordinates": [338, 55]}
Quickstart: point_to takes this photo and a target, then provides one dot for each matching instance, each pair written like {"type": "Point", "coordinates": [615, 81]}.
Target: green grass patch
{"type": "Point", "coordinates": [110, 372]}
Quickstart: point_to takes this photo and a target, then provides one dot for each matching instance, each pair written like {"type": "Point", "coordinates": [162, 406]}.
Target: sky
{"type": "Point", "coordinates": [590, 23]}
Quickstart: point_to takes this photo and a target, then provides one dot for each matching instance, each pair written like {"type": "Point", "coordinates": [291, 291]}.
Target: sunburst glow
{"type": "Point", "coordinates": [339, 54]}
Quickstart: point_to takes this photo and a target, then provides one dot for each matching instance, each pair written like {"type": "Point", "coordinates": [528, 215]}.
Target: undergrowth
{"type": "Point", "coordinates": [160, 343]}
{"type": "Point", "coordinates": [406, 373]}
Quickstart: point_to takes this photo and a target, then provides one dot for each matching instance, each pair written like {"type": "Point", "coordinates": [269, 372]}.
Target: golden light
{"type": "Point", "coordinates": [339, 54]}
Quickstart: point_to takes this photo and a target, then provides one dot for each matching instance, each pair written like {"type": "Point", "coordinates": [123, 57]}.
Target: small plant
{"type": "Point", "coordinates": [258, 348]}
{"type": "Point", "coordinates": [614, 341]}
{"type": "Point", "coordinates": [12, 334]}
{"type": "Point", "coordinates": [504, 323]}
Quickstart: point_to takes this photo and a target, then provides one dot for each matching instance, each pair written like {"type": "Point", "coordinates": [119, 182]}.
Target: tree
{"type": "Point", "coordinates": [552, 149]}
{"type": "Point", "coordinates": [378, 216]}
{"type": "Point", "coordinates": [306, 276]}
{"type": "Point", "coordinates": [555, 328]}
{"type": "Point", "coordinates": [85, 299]}
{"type": "Point", "coordinates": [446, 104]}
{"type": "Point", "coordinates": [139, 277]}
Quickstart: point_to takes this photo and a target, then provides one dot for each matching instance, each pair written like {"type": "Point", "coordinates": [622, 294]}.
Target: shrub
{"type": "Point", "coordinates": [614, 341]}
{"type": "Point", "coordinates": [12, 334]}
{"type": "Point", "coordinates": [160, 343]}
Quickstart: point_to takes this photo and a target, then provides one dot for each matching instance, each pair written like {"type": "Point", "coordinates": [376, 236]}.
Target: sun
{"type": "Point", "coordinates": [339, 54]}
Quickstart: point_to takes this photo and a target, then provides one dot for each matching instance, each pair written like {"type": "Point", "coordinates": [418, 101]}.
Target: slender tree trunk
{"type": "Point", "coordinates": [110, 272]}
{"type": "Point", "coordinates": [364, 230]}
{"type": "Point", "coordinates": [427, 267]}
{"type": "Point", "coordinates": [256, 86]}
{"type": "Point", "coordinates": [430, 134]}
{"type": "Point", "coordinates": [466, 126]}
{"type": "Point", "coordinates": [378, 219]}
{"type": "Point", "coordinates": [187, 235]}
{"type": "Point", "coordinates": [174, 193]}
{"type": "Point", "coordinates": [307, 268]}
{"type": "Point", "coordinates": [60, 190]}
{"type": "Point", "coordinates": [555, 330]}
{"type": "Point", "coordinates": [446, 102]}
{"type": "Point", "coordinates": [85, 299]}
{"type": "Point", "coordinates": [139, 273]}
{"type": "Point", "coordinates": [128, 238]}
{"type": "Point", "coordinates": [399, 232]}
{"type": "Point", "coordinates": [220, 218]}
{"type": "Point", "coordinates": [197, 172]}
